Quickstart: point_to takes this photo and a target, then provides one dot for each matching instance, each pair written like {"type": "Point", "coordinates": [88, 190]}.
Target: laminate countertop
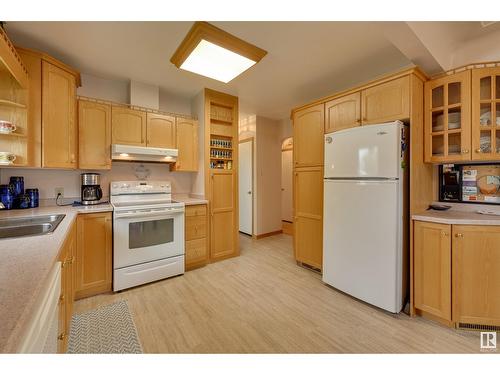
{"type": "Point", "coordinates": [188, 200]}
{"type": "Point", "coordinates": [455, 216]}
{"type": "Point", "coordinates": [25, 263]}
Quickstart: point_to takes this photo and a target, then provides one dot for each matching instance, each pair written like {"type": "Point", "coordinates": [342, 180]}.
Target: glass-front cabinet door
{"type": "Point", "coordinates": [447, 118]}
{"type": "Point", "coordinates": [486, 114]}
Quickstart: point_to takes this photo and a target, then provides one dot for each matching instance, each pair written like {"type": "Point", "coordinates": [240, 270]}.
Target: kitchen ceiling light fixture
{"type": "Point", "coordinates": [214, 53]}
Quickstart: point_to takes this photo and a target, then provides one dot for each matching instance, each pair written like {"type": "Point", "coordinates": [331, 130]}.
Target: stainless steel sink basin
{"type": "Point", "coordinates": [29, 226]}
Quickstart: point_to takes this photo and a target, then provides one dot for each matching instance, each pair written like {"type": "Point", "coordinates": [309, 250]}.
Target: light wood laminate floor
{"type": "Point", "coordinates": [262, 302]}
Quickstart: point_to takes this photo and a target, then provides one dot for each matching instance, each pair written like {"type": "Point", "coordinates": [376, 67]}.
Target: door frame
{"type": "Point", "coordinates": [251, 140]}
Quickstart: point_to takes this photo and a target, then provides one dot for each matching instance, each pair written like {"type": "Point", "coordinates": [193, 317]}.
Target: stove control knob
{"type": "Point", "coordinates": [125, 186]}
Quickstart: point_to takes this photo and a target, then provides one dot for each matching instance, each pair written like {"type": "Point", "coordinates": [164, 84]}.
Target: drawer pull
{"type": "Point", "coordinates": [459, 235]}
{"type": "Point", "coordinates": [61, 337]}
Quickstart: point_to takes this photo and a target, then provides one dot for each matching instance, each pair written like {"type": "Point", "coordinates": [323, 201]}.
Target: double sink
{"type": "Point", "coordinates": [29, 226]}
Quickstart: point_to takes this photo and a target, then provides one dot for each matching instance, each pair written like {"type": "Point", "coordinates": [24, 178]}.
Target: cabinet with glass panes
{"type": "Point", "coordinates": [447, 118]}
{"type": "Point", "coordinates": [486, 114]}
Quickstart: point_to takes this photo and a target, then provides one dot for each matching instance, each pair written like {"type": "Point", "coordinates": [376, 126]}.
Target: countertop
{"type": "Point", "coordinates": [460, 214]}
{"type": "Point", "coordinates": [188, 200]}
{"type": "Point", "coordinates": [25, 263]}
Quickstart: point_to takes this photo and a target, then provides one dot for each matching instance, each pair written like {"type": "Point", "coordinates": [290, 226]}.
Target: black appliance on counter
{"type": "Point", "coordinates": [469, 183]}
{"type": "Point", "coordinates": [91, 188]}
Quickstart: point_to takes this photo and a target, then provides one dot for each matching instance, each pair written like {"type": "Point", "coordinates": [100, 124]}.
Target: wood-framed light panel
{"type": "Point", "coordinates": [205, 31]}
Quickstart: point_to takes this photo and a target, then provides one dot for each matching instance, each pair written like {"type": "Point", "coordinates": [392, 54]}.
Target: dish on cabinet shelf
{"type": "Point", "coordinates": [7, 158]}
{"type": "Point", "coordinates": [485, 118]}
{"type": "Point", "coordinates": [7, 127]}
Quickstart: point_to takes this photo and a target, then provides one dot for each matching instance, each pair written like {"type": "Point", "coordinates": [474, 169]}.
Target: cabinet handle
{"type": "Point", "coordinates": [445, 234]}
{"type": "Point", "coordinates": [459, 235]}
{"type": "Point", "coordinates": [61, 337]}
{"type": "Point", "coordinates": [478, 151]}
{"type": "Point", "coordinates": [61, 299]}
{"type": "Point", "coordinates": [465, 151]}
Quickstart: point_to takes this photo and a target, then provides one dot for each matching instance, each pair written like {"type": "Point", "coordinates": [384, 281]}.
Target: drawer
{"type": "Point", "coordinates": [196, 227]}
{"type": "Point", "coordinates": [196, 250]}
{"type": "Point", "coordinates": [196, 210]}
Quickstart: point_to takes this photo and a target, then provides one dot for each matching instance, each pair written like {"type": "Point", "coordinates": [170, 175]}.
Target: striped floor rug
{"type": "Point", "coordinates": [107, 329]}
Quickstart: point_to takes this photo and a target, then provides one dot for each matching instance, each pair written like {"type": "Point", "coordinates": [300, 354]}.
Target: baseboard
{"type": "Point", "coordinates": [259, 236]}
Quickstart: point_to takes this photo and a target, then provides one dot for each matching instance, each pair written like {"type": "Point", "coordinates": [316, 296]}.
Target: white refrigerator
{"type": "Point", "coordinates": [363, 213]}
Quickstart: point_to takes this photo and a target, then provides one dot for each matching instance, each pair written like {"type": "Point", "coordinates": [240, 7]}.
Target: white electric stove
{"type": "Point", "coordinates": [148, 233]}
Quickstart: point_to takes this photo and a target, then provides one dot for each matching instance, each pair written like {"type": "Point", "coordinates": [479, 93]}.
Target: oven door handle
{"type": "Point", "coordinates": [146, 214]}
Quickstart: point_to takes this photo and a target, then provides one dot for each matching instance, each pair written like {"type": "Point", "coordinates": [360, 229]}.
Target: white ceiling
{"type": "Point", "coordinates": [306, 60]}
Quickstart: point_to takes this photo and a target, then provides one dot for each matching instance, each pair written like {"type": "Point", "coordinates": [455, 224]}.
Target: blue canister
{"type": "Point", "coordinates": [34, 197]}
{"type": "Point", "coordinates": [7, 196]}
{"type": "Point", "coordinates": [22, 201]}
{"type": "Point", "coordinates": [17, 183]}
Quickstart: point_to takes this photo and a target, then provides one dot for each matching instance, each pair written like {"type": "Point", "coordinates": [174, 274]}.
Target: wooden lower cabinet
{"type": "Point", "coordinates": [476, 274]}
{"type": "Point", "coordinates": [224, 215]}
{"type": "Point", "coordinates": [456, 273]}
{"type": "Point", "coordinates": [432, 269]}
{"type": "Point", "coordinates": [308, 216]}
{"type": "Point", "coordinates": [196, 229]}
{"type": "Point", "coordinates": [94, 254]}
{"type": "Point", "coordinates": [67, 258]}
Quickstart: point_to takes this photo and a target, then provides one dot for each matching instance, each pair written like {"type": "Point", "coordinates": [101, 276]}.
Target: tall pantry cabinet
{"type": "Point", "coordinates": [308, 128]}
{"type": "Point", "coordinates": [220, 140]}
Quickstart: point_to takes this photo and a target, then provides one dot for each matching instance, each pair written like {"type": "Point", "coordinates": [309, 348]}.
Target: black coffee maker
{"type": "Point", "coordinates": [91, 188]}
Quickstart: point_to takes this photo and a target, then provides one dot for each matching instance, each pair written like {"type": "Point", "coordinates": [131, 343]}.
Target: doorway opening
{"type": "Point", "coordinates": [287, 185]}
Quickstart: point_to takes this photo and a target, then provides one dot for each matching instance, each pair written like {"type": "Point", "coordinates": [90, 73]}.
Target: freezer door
{"type": "Point", "coordinates": [362, 241]}
{"type": "Point", "coordinates": [364, 151]}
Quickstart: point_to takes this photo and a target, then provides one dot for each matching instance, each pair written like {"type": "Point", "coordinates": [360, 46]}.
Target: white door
{"type": "Point", "coordinates": [362, 240]}
{"type": "Point", "coordinates": [245, 172]}
{"type": "Point", "coordinates": [286, 186]}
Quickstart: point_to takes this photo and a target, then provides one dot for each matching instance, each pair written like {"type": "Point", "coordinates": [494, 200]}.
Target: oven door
{"type": "Point", "coordinates": [145, 235]}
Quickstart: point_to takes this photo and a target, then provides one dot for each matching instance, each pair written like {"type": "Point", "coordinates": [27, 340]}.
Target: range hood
{"type": "Point", "coordinates": [138, 153]}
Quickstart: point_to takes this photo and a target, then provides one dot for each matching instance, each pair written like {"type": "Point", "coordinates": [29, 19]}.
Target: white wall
{"type": "Point", "coordinates": [198, 109]}
{"type": "Point", "coordinates": [119, 91]}
{"type": "Point", "coordinates": [175, 104]}
{"type": "Point", "coordinates": [144, 95]}
{"type": "Point", "coordinates": [106, 89]}
{"type": "Point", "coordinates": [48, 179]}
{"type": "Point", "coordinates": [286, 128]}
{"type": "Point", "coordinates": [483, 49]}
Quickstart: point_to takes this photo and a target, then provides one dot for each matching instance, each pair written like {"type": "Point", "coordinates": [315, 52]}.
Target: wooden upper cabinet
{"type": "Point", "coordinates": [485, 124]}
{"type": "Point", "coordinates": [187, 144]}
{"type": "Point", "coordinates": [343, 112]}
{"type": "Point", "coordinates": [432, 268]}
{"type": "Point", "coordinates": [447, 126]}
{"type": "Point", "coordinates": [94, 134]}
{"type": "Point", "coordinates": [128, 126]}
{"type": "Point", "coordinates": [476, 280]}
{"type": "Point", "coordinates": [308, 136]}
{"type": "Point", "coordinates": [59, 131]}
{"type": "Point", "coordinates": [160, 131]}
{"type": "Point", "coordinates": [388, 101]}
